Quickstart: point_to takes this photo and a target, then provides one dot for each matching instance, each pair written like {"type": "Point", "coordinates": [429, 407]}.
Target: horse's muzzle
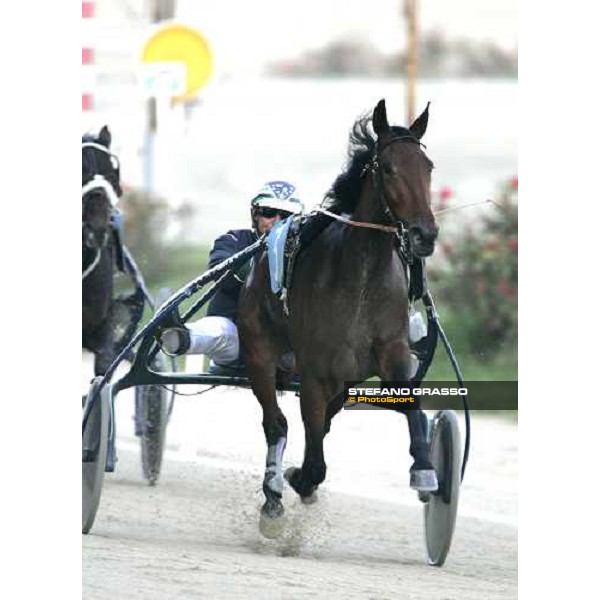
{"type": "Point", "coordinates": [423, 240]}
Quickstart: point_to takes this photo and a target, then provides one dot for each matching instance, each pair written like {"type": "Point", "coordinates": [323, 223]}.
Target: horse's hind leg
{"type": "Point", "coordinates": [261, 349]}
{"type": "Point", "coordinates": [315, 466]}
{"type": "Point", "coordinates": [261, 365]}
{"type": "Point", "coordinates": [313, 403]}
{"type": "Point", "coordinates": [275, 429]}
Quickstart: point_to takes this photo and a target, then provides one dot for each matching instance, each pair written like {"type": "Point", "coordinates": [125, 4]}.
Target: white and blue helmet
{"type": "Point", "coordinates": [280, 195]}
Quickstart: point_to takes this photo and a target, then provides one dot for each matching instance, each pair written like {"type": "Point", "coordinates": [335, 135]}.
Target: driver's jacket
{"type": "Point", "coordinates": [225, 301]}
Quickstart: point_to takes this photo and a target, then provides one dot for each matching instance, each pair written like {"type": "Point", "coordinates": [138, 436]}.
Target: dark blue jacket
{"type": "Point", "coordinates": [225, 301]}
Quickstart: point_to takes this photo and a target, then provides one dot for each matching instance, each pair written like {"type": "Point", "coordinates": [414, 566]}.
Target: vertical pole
{"type": "Point", "coordinates": [151, 125]}
{"type": "Point", "coordinates": [412, 58]}
{"type": "Point", "coordinates": [159, 10]}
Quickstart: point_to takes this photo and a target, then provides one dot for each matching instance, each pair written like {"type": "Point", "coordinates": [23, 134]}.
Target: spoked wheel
{"type": "Point", "coordinates": [152, 408]}
{"type": "Point", "coordinates": [441, 506]}
{"type": "Point", "coordinates": [95, 442]}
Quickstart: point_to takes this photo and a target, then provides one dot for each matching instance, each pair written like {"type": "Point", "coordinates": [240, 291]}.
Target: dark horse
{"type": "Point", "coordinates": [100, 188]}
{"type": "Point", "coordinates": [348, 305]}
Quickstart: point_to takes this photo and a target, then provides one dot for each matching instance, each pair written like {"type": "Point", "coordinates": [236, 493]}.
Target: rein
{"type": "Point", "coordinates": [92, 265]}
{"type": "Point", "coordinates": [386, 228]}
{"type": "Point", "coordinates": [453, 208]}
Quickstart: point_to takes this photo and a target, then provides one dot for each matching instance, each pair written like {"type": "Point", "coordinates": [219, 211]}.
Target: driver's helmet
{"type": "Point", "coordinates": [276, 197]}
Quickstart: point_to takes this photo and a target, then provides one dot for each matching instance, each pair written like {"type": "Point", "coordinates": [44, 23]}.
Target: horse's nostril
{"type": "Point", "coordinates": [428, 236]}
{"type": "Point", "coordinates": [421, 236]}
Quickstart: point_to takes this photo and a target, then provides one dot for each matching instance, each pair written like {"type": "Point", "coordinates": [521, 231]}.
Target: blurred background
{"type": "Point", "coordinates": [270, 90]}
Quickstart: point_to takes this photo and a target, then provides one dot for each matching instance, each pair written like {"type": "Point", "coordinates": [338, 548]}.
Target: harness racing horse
{"type": "Point", "coordinates": [348, 304]}
{"type": "Point", "coordinates": [101, 189]}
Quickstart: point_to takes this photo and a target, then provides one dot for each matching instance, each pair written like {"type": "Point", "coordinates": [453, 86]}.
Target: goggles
{"type": "Point", "coordinates": [269, 213]}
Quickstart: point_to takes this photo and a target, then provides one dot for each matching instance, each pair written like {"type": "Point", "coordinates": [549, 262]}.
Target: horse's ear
{"type": "Point", "coordinates": [380, 122]}
{"type": "Point", "coordinates": [419, 126]}
{"type": "Point", "coordinates": [104, 136]}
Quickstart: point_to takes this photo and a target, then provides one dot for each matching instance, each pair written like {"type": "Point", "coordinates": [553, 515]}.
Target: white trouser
{"type": "Point", "coordinates": [216, 337]}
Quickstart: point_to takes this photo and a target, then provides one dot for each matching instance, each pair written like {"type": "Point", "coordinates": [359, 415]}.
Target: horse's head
{"type": "Point", "coordinates": [403, 176]}
{"type": "Point", "coordinates": [101, 187]}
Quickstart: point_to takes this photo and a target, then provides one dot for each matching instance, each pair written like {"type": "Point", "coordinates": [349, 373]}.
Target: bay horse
{"type": "Point", "coordinates": [348, 305]}
{"type": "Point", "coordinates": [101, 188]}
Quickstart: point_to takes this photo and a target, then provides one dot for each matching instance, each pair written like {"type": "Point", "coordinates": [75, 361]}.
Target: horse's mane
{"type": "Point", "coordinates": [345, 191]}
{"type": "Point", "coordinates": [87, 164]}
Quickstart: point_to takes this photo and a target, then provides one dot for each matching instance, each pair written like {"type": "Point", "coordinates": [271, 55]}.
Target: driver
{"type": "Point", "coordinates": [216, 335]}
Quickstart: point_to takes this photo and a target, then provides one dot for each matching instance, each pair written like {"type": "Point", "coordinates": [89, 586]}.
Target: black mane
{"type": "Point", "coordinates": [87, 161]}
{"type": "Point", "coordinates": [345, 191]}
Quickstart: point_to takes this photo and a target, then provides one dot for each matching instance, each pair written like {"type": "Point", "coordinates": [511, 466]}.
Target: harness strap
{"type": "Point", "coordinates": [100, 182]}
{"type": "Point", "coordinates": [117, 230]}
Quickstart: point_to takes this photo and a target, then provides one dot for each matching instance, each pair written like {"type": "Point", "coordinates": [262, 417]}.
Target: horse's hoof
{"type": "Point", "coordinates": [424, 480]}
{"type": "Point", "coordinates": [424, 497]}
{"type": "Point", "coordinates": [271, 520]}
{"type": "Point", "coordinates": [270, 528]}
{"type": "Point", "coordinates": [292, 476]}
{"type": "Point", "coordinates": [289, 473]}
{"type": "Point", "coordinates": [310, 499]}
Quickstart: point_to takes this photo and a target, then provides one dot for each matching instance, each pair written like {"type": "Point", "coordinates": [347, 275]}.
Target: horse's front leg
{"type": "Point", "coordinates": [394, 365]}
{"type": "Point", "coordinates": [105, 354]}
{"type": "Point", "coordinates": [313, 403]}
{"type": "Point", "coordinates": [422, 473]}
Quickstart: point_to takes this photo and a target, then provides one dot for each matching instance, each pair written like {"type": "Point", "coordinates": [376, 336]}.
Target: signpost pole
{"type": "Point", "coordinates": [176, 62]}
{"type": "Point", "coordinates": [412, 57]}
{"type": "Point", "coordinates": [159, 11]}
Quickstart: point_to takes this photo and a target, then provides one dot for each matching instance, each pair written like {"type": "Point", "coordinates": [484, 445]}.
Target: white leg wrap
{"type": "Point", "coordinates": [274, 470]}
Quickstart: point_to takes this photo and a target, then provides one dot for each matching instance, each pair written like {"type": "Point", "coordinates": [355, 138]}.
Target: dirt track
{"type": "Point", "coordinates": [195, 534]}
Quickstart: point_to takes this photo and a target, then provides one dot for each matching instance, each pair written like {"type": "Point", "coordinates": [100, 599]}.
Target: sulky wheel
{"type": "Point", "coordinates": [95, 442]}
{"type": "Point", "coordinates": [151, 403]}
{"type": "Point", "coordinates": [440, 508]}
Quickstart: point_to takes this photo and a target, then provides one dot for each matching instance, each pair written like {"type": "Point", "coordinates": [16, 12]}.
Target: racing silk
{"type": "Point", "coordinates": [225, 301]}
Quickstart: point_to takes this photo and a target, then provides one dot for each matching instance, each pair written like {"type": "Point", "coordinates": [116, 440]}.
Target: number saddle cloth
{"type": "Point", "coordinates": [285, 242]}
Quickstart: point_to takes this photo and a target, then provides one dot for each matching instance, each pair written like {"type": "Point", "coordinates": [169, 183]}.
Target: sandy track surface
{"type": "Point", "coordinates": [195, 534]}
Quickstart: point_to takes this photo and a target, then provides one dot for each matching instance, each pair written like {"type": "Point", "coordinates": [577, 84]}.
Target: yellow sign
{"type": "Point", "coordinates": [180, 43]}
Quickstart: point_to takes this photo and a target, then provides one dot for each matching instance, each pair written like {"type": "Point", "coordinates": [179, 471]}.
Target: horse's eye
{"type": "Point", "coordinates": [389, 170]}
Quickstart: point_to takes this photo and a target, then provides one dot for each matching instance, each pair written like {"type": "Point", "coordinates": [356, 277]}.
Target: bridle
{"type": "Point", "coordinates": [399, 227]}
{"type": "Point", "coordinates": [113, 157]}
{"type": "Point", "coordinates": [373, 167]}
{"type": "Point", "coordinates": [99, 183]}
